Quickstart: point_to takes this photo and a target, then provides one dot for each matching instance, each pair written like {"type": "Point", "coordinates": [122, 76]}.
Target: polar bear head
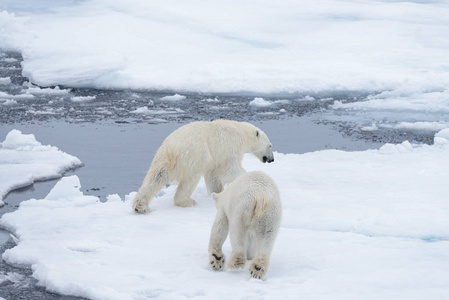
{"type": "Point", "coordinates": [262, 146]}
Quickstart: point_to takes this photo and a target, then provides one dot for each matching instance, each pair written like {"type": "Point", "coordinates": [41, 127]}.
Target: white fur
{"type": "Point", "coordinates": [211, 149]}
{"type": "Point", "coordinates": [250, 209]}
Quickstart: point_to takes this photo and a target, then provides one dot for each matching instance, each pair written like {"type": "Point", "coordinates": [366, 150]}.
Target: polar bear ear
{"type": "Point", "coordinates": [215, 196]}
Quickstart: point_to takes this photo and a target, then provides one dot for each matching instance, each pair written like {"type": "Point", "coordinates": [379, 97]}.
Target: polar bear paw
{"type": "Point", "coordinates": [185, 202]}
{"type": "Point", "coordinates": [237, 261]}
{"type": "Point", "coordinates": [141, 208]}
{"type": "Point", "coordinates": [257, 270]}
{"type": "Point", "coordinates": [217, 260]}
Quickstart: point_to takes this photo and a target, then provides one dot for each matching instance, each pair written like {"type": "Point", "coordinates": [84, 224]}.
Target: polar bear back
{"type": "Point", "coordinates": [200, 144]}
{"type": "Point", "coordinates": [253, 194]}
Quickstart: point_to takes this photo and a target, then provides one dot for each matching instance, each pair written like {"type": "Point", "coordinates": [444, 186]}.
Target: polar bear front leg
{"type": "Point", "coordinates": [185, 188]}
{"type": "Point", "coordinates": [218, 236]}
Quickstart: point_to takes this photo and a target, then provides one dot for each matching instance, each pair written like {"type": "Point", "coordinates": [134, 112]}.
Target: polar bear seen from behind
{"type": "Point", "coordinates": [211, 149]}
{"type": "Point", "coordinates": [250, 210]}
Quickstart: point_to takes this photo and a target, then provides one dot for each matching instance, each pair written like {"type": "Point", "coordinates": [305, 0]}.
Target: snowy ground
{"type": "Point", "coordinates": [229, 46]}
{"type": "Point", "coordinates": [369, 224]}
{"type": "Point", "coordinates": [357, 225]}
{"type": "Point", "coordinates": [23, 160]}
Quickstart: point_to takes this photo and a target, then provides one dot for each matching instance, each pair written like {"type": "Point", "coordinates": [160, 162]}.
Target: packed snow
{"type": "Point", "coordinates": [24, 96]}
{"type": "Point", "coordinates": [423, 126]}
{"type": "Point", "coordinates": [146, 111]}
{"type": "Point", "coordinates": [35, 90]}
{"type": "Point", "coordinates": [411, 126]}
{"type": "Point", "coordinates": [356, 225]}
{"type": "Point", "coordinates": [372, 127]}
{"type": "Point", "coordinates": [432, 102]}
{"type": "Point", "coordinates": [231, 46]}
{"type": "Point", "coordinates": [175, 97]}
{"type": "Point", "coordinates": [83, 98]}
{"type": "Point", "coordinates": [261, 102]}
{"type": "Point", "coordinates": [23, 160]}
{"type": "Point", "coordinates": [307, 98]}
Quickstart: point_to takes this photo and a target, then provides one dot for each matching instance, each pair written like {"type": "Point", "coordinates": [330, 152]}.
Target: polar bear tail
{"type": "Point", "coordinates": [261, 204]}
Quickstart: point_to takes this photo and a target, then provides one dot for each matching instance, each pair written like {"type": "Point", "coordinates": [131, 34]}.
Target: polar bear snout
{"type": "Point", "coordinates": [267, 159]}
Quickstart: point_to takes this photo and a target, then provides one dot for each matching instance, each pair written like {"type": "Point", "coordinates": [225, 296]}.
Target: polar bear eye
{"type": "Point", "coordinates": [257, 133]}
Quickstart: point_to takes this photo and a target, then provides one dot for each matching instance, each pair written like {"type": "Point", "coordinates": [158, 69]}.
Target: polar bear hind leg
{"type": "Point", "coordinates": [259, 266]}
{"type": "Point", "coordinates": [152, 184]}
{"type": "Point", "coordinates": [237, 260]}
{"type": "Point", "coordinates": [239, 237]}
{"type": "Point", "coordinates": [266, 236]}
{"type": "Point", "coordinates": [251, 248]}
{"type": "Point", "coordinates": [185, 188]}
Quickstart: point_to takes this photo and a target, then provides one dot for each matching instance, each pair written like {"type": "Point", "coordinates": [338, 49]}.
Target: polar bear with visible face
{"type": "Point", "coordinates": [250, 210]}
{"type": "Point", "coordinates": [211, 149]}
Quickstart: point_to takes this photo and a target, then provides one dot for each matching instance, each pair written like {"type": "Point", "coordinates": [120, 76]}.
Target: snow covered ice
{"type": "Point", "coordinates": [261, 102]}
{"type": "Point", "coordinates": [393, 52]}
{"type": "Point", "coordinates": [23, 160]}
{"type": "Point", "coordinates": [357, 225]}
{"type": "Point", "coordinates": [175, 97]}
{"type": "Point", "coordinates": [82, 98]}
{"type": "Point", "coordinates": [230, 46]}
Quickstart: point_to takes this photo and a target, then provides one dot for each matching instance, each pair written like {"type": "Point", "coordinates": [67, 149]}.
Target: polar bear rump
{"type": "Point", "coordinates": [249, 209]}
